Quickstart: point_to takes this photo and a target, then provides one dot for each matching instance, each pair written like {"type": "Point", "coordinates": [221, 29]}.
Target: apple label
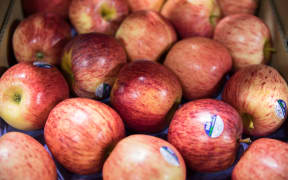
{"type": "Point", "coordinates": [42, 64]}
{"type": "Point", "coordinates": [280, 108]}
{"type": "Point", "coordinates": [214, 127]}
{"type": "Point", "coordinates": [169, 155]}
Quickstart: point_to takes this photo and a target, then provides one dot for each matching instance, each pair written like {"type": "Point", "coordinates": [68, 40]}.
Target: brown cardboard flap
{"type": "Point", "coordinates": [282, 12]}
{"type": "Point", "coordinates": [11, 20]}
{"type": "Point", "coordinates": [4, 4]}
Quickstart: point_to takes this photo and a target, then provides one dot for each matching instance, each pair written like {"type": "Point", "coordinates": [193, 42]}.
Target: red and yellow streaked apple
{"type": "Point", "coordinates": [91, 63]}
{"type": "Point", "coordinates": [41, 37]}
{"type": "Point", "coordinates": [28, 92]}
{"type": "Point", "coordinates": [146, 35]}
{"type": "Point", "coordinates": [265, 158]}
{"type": "Point", "coordinates": [22, 157]}
{"type": "Point", "coordinates": [144, 157]}
{"type": "Point", "coordinates": [102, 16]}
{"type": "Point", "coordinates": [136, 5]}
{"type": "Point", "coordinates": [200, 64]}
{"type": "Point", "coordinates": [207, 133]}
{"type": "Point", "coordinates": [260, 94]}
{"type": "Point", "coordinates": [229, 7]}
{"type": "Point", "coordinates": [81, 132]}
{"type": "Point", "coordinates": [192, 17]}
{"type": "Point", "coordinates": [146, 95]}
{"type": "Point", "coordinates": [247, 38]}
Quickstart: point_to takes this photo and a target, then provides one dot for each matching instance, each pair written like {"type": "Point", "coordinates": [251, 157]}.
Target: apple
{"type": "Point", "coordinates": [28, 92]}
{"type": "Point", "coordinates": [81, 132]}
{"type": "Point", "coordinates": [91, 63]}
{"type": "Point", "coordinates": [144, 157]}
{"type": "Point", "coordinates": [22, 157]}
{"type": "Point", "coordinates": [260, 94]}
{"type": "Point", "coordinates": [229, 7]}
{"type": "Point", "coordinates": [146, 94]}
{"type": "Point", "coordinates": [207, 133]}
{"type": "Point", "coordinates": [146, 35]}
{"type": "Point", "coordinates": [247, 37]}
{"type": "Point", "coordinates": [102, 16]}
{"type": "Point", "coordinates": [136, 5]}
{"type": "Point", "coordinates": [192, 17]}
{"type": "Point", "coordinates": [41, 37]}
{"type": "Point", "coordinates": [265, 158]}
{"type": "Point", "coordinates": [200, 64]}
{"type": "Point", "coordinates": [59, 7]}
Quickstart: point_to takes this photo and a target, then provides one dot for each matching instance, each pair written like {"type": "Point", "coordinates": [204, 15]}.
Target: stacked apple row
{"type": "Point", "coordinates": [158, 70]}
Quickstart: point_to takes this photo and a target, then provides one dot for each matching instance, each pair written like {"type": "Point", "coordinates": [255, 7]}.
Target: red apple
{"type": "Point", "coordinates": [144, 157]}
{"type": "Point", "coordinates": [28, 92]}
{"type": "Point", "coordinates": [41, 37]}
{"type": "Point", "coordinates": [91, 63]}
{"type": "Point", "coordinates": [59, 7]}
{"type": "Point", "coordinates": [206, 132]}
{"type": "Point", "coordinates": [192, 17]}
{"type": "Point", "coordinates": [264, 159]}
{"type": "Point", "coordinates": [260, 94]}
{"type": "Point", "coordinates": [247, 38]}
{"type": "Point", "coordinates": [136, 5]}
{"type": "Point", "coordinates": [103, 16]}
{"type": "Point", "coordinates": [22, 157]}
{"type": "Point", "coordinates": [229, 7]}
{"type": "Point", "coordinates": [200, 64]}
{"type": "Point", "coordinates": [146, 94]}
{"type": "Point", "coordinates": [146, 35]}
{"type": "Point", "coordinates": [81, 133]}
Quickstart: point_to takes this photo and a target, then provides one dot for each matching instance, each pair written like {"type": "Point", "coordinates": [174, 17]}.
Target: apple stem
{"type": "Point", "coordinates": [246, 140]}
{"type": "Point", "coordinates": [251, 125]}
{"type": "Point", "coordinates": [269, 49]}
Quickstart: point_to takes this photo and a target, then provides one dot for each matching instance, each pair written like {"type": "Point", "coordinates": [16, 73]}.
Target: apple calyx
{"type": "Point", "coordinates": [107, 12]}
{"type": "Point", "coordinates": [268, 49]}
{"type": "Point", "coordinates": [248, 121]}
{"type": "Point", "coordinates": [102, 91]}
{"type": "Point", "coordinates": [17, 98]}
{"type": "Point", "coordinates": [39, 55]}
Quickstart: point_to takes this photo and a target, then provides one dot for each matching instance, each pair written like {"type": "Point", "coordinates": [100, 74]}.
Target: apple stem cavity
{"type": "Point", "coordinates": [102, 91]}
{"type": "Point", "coordinates": [107, 12]}
{"type": "Point", "coordinates": [248, 120]}
{"type": "Point", "coordinates": [39, 55]}
{"type": "Point", "coordinates": [212, 20]}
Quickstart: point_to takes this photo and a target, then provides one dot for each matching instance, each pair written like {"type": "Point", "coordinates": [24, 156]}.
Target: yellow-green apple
{"type": "Point", "coordinates": [260, 94]}
{"type": "Point", "coordinates": [81, 132]}
{"type": "Point", "coordinates": [59, 7]}
{"type": "Point", "coordinates": [28, 92]}
{"type": "Point", "coordinates": [192, 17]}
{"type": "Point", "coordinates": [41, 37]}
{"type": "Point", "coordinates": [144, 157]}
{"type": "Point", "coordinates": [23, 157]}
{"type": "Point", "coordinates": [265, 158]}
{"type": "Point", "coordinates": [206, 132]}
{"type": "Point", "coordinates": [102, 16]}
{"type": "Point", "coordinates": [229, 7]}
{"type": "Point", "coordinates": [247, 37]}
{"type": "Point", "coordinates": [200, 64]}
{"type": "Point", "coordinates": [146, 94]}
{"type": "Point", "coordinates": [91, 63]}
{"type": "Point", "coordinates": [146, 35]}
{"type": "Point", "coordinates": [136, 5]}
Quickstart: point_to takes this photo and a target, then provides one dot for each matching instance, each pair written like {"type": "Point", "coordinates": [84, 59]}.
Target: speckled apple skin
{"type": "Point", "coordinates": [41, 89]}
{"type": "Point", "coordinates": [139, 157]}
{"type": "Point", "coordinates": [201, 152]}
{"type": "Point", "coordinates": [92, 59]}
{"type": "Point", "coordinates": [22, 157]}
{"type": "Point", "coordinates": [85, 15]}
{"type": "Point", "coordinates": [136, 5]}
{"type": "Point", "coordinates": [229, 7]}
{"type": "Point", "coordinates": [255, 90]}
{"type": "Point", "coordinates": [245, 36]}
{"type": "Point", "coordinates": [264, 159]}
{"type": "Point", "coordinates": [44, 32]}
{"type": "Point", "coordinates": [192, 17]}
{"type": "Point", "coordinates": [80, 133]}
{"type": "Point", "coordinates": [200, 64]}
{"type": "Point", "coordinates": [143, 94]}
{"type": "Point", "coordinates": [146, 35]}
